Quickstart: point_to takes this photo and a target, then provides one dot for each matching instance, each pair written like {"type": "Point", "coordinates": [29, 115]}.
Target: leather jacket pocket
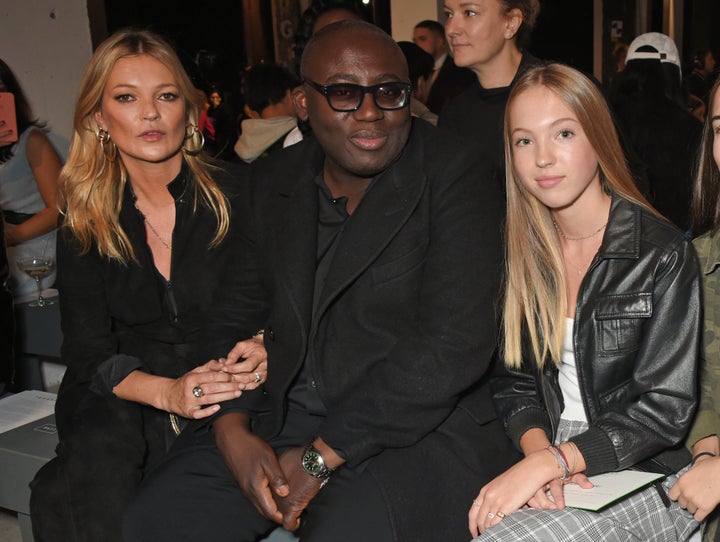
{"type": "Point", "coordinates": [618, 319]}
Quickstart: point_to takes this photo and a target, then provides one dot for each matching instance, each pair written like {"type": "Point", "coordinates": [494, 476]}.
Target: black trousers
{"type": "Point", "coordinates": [193, 496]}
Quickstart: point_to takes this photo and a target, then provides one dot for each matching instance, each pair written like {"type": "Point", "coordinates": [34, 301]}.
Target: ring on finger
{"type": "Point", "coordinates": [500, 515]}
{"type": "Point", "coordinates": [476, 503]}
{"type": "Point", "coordinates": [258, 378]}
{"type": "Point", "coordinates": [491, 515]}
{"type": "Point", "coordinates": [197, 391]}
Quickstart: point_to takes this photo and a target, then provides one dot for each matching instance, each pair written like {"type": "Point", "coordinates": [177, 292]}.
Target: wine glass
{"type": "Point", "coordinates": [37, 268]}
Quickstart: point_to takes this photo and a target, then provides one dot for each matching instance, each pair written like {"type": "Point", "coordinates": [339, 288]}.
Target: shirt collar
{"type": "Point", "coordinates": [712, 261]}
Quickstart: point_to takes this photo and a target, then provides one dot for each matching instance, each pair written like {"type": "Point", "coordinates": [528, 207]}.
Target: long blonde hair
{"type": "Point", "coordinates": [91, 187]}
{"type": "Point", "coordinates": [535, 294]}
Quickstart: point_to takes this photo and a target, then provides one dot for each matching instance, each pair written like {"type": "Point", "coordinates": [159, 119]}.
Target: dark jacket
{"type": "Point", "coordinates": [636, 337]}
{"type": "Point", "coordinates": [451, 80]}
{"type": "Point", "coordinates": [117, 318]}
{"type": "Point", "coordinates": [477, 115]}
{"type": "Point", "coordinates": [404, 328]}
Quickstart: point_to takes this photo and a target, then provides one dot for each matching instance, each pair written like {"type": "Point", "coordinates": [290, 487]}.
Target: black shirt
{"type": "Point", "coordinates": [477, 115]}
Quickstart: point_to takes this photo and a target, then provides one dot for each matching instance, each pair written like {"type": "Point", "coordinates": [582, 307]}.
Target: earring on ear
{"type": "Point", "coordinates": [108, 146]}
{"type": "Point", "coordinates": [194, 140]}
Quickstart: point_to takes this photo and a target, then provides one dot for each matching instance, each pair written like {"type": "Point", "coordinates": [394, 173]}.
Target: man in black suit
{"type": "Point", "coordinates": [448, 80]}
{"type": "Point", "coordinates": [372, 263]}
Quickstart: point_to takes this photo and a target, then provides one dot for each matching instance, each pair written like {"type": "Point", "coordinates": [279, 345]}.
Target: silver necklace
{"type": "Point", "coordinates": [568, 238]}
{"type": "Point", "coordinates": [152, 229]}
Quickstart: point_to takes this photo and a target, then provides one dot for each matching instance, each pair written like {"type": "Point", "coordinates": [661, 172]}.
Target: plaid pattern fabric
{"type": "Point", "coordinates": [641, 517]}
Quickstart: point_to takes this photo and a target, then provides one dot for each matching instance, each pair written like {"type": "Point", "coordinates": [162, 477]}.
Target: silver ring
{"type": "Point", "coordinates": [475, 503]}
{"type": "Point", "coordinates": [491, 515]}
{"type": "Point", "coordinates": [258, 378]}
{"type": "Point", "coordinates": [197, 391]}
{"type": "Point", "coordinates": [500, 515]}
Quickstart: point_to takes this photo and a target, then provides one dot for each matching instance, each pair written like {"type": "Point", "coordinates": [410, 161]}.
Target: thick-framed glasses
{"type": "Point", "coordinates": [347, 97]}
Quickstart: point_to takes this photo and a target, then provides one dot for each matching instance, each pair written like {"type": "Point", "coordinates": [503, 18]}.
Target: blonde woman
{"type": "Point", "coordinates": [146, 231]}
{"type": "Point", "coordinates": [601, 326]}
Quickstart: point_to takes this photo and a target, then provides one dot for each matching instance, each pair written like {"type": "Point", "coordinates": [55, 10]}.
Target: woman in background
{"type": "Point", "coordinates": [601, 325]}
{"type": "Point", "coordinates": [486, 36]}
{"type": "Point", "coordinates": [146, 232]}
{"type": "Point", "coordinates": [30, 164]}
{"type": "Point", "coordinates": [698, 490]}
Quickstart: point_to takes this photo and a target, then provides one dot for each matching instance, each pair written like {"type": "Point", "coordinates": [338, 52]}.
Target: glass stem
{"type": "Point", "coordinates": [40, 300]}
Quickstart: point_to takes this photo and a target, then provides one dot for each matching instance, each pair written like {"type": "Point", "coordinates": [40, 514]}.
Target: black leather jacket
{"type": "Point", "coordinates": [636, 338]}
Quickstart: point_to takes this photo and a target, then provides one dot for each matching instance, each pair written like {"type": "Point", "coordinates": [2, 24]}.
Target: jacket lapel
{"type": "Point", "coordinates": [294, 239]}
{"type": "Point", "coordinates": [382, 212]}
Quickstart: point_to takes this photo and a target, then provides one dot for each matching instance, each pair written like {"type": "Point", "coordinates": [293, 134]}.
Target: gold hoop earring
{"type": "Point", "coordinates": [194, 140]}
{"type": "Point", "coordinates": [108, 146]}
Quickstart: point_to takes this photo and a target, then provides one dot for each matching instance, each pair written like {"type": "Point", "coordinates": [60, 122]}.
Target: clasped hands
{"type": "Point", "coordinates": [278, 487]}
{"type": "Point", "coordinates": [197, 393]}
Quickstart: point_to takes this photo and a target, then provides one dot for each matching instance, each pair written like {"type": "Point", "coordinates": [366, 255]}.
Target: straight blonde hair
{"type": "Point", "coordinates": [91, 186]}
{"type": "Point", "coordinates": [535, 294]}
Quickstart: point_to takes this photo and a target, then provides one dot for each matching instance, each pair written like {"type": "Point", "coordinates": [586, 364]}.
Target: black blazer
{"type": "Point", "coordinates": [451, 80]}
{"type": "Point", "coordinates": [115, 317]}
{"type": "Point", "coordinates": [405, 325]}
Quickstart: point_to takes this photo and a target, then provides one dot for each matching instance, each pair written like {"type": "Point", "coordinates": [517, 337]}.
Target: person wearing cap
{"type": "Point", "coordinates": [659, 47]}
{"type": "Point", "coordinates": [663, 134]}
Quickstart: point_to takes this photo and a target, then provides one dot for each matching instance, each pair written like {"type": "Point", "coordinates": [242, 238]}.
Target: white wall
{"type": "Point", "coordinates": [47, 45]}
{"type": "Point", "coordinates": [406, 14]}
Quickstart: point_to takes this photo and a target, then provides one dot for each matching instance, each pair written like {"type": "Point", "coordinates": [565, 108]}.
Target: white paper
{"type": "Point", "coordinates": [608, 488]}
{"type": "Point", "coordinates": [25, 407]}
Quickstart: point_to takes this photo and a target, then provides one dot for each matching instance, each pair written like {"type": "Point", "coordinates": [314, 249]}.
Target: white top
{"type": "Point", "coordinates": [568, 379]}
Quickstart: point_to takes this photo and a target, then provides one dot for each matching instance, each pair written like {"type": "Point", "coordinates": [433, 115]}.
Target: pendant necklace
{"type": "Point", "coordinates": [580, 270]}
{"type": "Point", "coordinates": [152, 229]}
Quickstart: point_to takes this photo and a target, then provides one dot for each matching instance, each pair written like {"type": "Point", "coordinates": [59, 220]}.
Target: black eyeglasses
{"type": "Point", "coordinates": [346, 97]}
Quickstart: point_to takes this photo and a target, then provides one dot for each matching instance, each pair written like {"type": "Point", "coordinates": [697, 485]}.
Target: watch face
{"type": "Point", "coordinates": [312, 462]}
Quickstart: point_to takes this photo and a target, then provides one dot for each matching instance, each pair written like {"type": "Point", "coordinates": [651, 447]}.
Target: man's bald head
{"type": "Point", "coordinates": [352, 33]}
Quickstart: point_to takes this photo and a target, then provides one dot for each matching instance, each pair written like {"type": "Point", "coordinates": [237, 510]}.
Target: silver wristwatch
{"type": "Point", "coordinates": [313, 463]}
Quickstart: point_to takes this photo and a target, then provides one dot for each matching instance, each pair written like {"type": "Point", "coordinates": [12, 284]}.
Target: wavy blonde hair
{"type": "Point", "coordinates": [535, 296]}
{"type": "Point", "coordinates": [91, 187]}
